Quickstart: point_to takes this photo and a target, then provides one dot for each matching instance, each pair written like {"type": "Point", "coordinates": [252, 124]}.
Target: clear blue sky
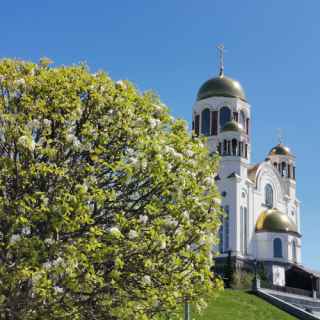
{"type": "Point", "coordinates": [169, 46]}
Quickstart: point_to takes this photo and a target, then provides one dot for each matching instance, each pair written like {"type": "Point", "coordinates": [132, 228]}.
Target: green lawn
{"type": "Point", "coordinates": [236, 305]}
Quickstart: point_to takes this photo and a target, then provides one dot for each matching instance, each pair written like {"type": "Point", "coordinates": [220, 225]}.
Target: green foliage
{"type": "Point", "coordinates": [108, 205]}
{"type": "Point", "coordinates": [242, 280]}
{"type": "Point", "coordinates": [235, 304]}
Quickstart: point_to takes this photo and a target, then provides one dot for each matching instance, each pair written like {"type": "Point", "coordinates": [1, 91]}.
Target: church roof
{"type": "Point", "coordinates": [273, 220]}
{"type": "Point", "coordinates": [232, 126]}
{"type": "Point", "coordinates": [280, 149]}
{"type": "Point", "coordinates": [221, 86]}
{"type": "Point", "coordinates": [252, 172]}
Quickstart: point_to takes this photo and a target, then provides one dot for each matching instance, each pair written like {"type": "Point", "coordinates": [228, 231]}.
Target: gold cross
{"type": "Point", "coordinates": [280, 135]}
{"type": "Point", "coordinates": [221, 51]}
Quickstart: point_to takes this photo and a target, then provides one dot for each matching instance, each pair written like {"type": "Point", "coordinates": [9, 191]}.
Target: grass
{"type": "Point", "coordinates": [234, 305]}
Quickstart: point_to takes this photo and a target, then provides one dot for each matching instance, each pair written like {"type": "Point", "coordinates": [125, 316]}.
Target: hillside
{"type": "Point", "coordinates": [240, 305]}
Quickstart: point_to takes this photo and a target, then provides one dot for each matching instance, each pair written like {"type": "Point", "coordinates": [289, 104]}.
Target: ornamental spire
{"type": "Point", "coordinates": [221, 51]}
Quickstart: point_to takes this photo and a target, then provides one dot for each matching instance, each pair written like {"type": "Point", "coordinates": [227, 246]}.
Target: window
{"type": "Point", "coordinates": [242, 119]}
{"type": "Point", "coordinates": [214, 124]}
{"type": "Point", "coordinates": [247, 125]}
{"type": "Point", "coordinates": [225, 115]}
{"type": "Point", "coordinates": [236, 116]}
{"type": "Point", "coordinates": [268, 196]}
{"type": "Point", "coordinates": [205, 122]}
{"type": "Point", "coordinates": [234, 147]}
{"type": "Point", "coordinates": [277, 248]}
{"type": "Point", "coordinates": [196, 124]}
{"type": "Point", "coordinates": [226, 227]}
{"type": "Point", "coordinates": [294, 251]}
{"type": "Point", "coordinates": [243, 230]}
{"type": "Point", "coordinates": [221, 236]}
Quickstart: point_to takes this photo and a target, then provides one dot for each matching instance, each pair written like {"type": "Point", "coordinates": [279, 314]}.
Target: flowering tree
{"type": "Point", "coordinates": [107, 204]}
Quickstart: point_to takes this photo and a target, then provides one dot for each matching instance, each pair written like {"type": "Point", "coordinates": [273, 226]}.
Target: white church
{"type": "Point", "coordinates": [262, 211]}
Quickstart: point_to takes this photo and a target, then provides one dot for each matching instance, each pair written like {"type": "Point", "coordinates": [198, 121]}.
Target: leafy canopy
{"type": "Point", "coordinates": [107, 204]}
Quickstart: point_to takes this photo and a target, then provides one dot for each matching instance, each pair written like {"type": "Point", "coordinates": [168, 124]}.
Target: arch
{"type": "Point", "coordinates": [225, 116]}
{"type": "Point", "coordinates": [205, 122]}
{"type": "Point", "coordinates": [268, 191]}
{"type": "Point", "coordinates": [277, 248]}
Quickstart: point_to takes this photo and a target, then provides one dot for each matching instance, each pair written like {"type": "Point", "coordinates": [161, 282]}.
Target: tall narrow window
{"type": "Point", "coordinates": [247, 125]}
{"type": "Point", "coordinates": [277, 248]}
{"type": "Point", "coordinates": [221, 244]}
{"type": "Point", "coordinates": [236, 116]}
{"type": "Point", "coordinates": [289, 171]}
{"type": "Point", "coordinates": [226, 228]}
{"type": "Point", "coordinates": [268, 196]}
{"type": "Point", "coordinates": [225, 116]}
{"type": "Point", "coordinates": [234, 147]}
{"type": "Point", "coordinates": [243, 120]}
{"type": "Point", "coordinates": [205, 122]}
{"type": "Point", "coordinates": [197, 124]}
{"type": "Point", "coordinates": [294, 251]}
{"type": "Point", "coordinates": [283, 169]}
{"type": "Point", "coordinates": [294, 172]}
{"type": "Point", "coordinates": [214, 123]}
{"type": "Point", "coordinates": [246, 151]}
{"type": "Point", "coordinates": [243, 230]}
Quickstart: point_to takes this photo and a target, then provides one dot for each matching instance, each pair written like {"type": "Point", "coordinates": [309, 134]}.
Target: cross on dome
{"type": "Point", "coordinates": [221, 51]}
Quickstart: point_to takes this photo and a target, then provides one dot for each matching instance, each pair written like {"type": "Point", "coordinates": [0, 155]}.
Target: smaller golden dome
{"type": "Point", "coordinates": [274, 220]}
{"type": "Point", "coordinates": [280, 149]}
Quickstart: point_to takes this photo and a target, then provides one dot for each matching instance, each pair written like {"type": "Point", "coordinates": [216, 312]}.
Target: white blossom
{"type": "Point", "coordinates": [27, 142]}
{"type": "Point", "coordinates": [47, 122]}
{"type": "Point", "coordinates": [147, 279]}
{"type": "Point", "coordinates": [20, 82]}
{"type": "Point", "coordinates": [132, 234]}
{"type": "Point", "coordinates": [185, 214]}
{"type": "Point", "coordinates": [47, 265]}
{"type": "Point", "coordinates": [14, 238]}
{"type": "Point", "coordinates": [143, 219]}
{"type": "Point", "coordinates": [71, 138]}
{"type": "Point", "coordinates": [189, 153]}
{"type": "Point", "coordinates": [34, 124]}
{"type": "Point", "coordinates": [154, 122]}
{"type": "Point", "coordinates": [58, 289]}
{"type": "Point", "coordinates": [209, 181]}
{"type": "Point", "coordinates": [163, 244]}
{"type": "Point", "coordinates": [114, 231]}
{"type": "Point", "coordinates": [48, 241]}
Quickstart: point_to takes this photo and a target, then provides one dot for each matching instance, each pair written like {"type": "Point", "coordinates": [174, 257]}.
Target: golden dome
{"type": "Point", "coordinates": [280, 149]}
{"type": "Point", "coordinates": [274, 220]}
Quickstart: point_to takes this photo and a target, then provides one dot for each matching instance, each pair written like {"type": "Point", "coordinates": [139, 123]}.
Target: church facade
{"type": "Point", "coordinates": [262, 212]}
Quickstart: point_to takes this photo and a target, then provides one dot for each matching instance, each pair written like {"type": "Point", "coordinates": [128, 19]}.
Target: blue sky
{"type": "Point", "coordinates": [169, 46]}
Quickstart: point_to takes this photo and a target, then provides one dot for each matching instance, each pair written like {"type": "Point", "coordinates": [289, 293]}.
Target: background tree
{"type": "Point", "coordinates": [107, 204]}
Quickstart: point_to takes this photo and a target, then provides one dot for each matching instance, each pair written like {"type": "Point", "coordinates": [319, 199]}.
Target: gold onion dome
{"type": "Point", "coordinates": [221, 86]}
{"type": "Point", "coordinates": [232, 126]}
{"type": "Point", "coordinates": [281, 150]}
{"type": "Point", "coordinates": [273, 220]}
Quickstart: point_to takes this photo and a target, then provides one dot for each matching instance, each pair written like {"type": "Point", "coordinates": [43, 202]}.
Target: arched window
{"type": "Point", "coordinates": [225, 116]}
{"type": "Point", "coordinates": [243, 230]}
{"type": "Point", "coordinates": [294, 251]}
{"type": "Point", "coordinates": [242, 119]}
{"type": "Point", "coordinates": [268, 196]}
{"type": "Point", "coordinates": [277, 248]}
{"type": "Point", "coordinates": [234, 147]}
{"type": "Point", "coordinates": [205, 122]}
